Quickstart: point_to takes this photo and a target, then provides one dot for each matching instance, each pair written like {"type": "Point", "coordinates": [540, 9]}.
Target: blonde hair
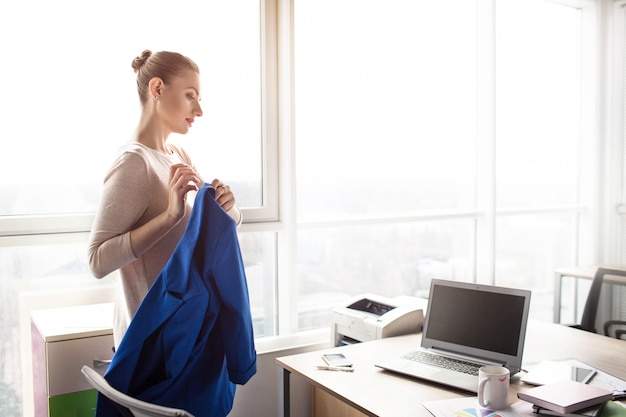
{"type": "Point", "coordinates": [164, 65]}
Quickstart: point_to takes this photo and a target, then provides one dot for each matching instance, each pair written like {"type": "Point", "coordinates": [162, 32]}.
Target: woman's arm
{"type": "Point", "coordinates": [128, 194]}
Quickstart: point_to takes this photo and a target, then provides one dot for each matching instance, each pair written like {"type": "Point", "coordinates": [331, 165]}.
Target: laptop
{"type": "Point", "coordinates": [475, 324]}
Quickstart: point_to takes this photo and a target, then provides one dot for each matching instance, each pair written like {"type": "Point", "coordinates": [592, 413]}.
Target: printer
{"type": "Point", "coordinates": [369, 317]}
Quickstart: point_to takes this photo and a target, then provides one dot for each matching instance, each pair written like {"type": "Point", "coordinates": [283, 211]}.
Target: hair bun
{"type": "Point", "coordinates": [141, 60]}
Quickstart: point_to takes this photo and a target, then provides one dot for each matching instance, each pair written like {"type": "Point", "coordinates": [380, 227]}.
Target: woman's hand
{"type": "Point", "coordinates": [223, 195]}
{"type": "Point", "coordinates": [183, 179]}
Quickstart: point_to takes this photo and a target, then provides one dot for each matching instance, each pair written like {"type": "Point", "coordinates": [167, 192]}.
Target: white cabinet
{"type": "Point", "coordinates": [65, 339]}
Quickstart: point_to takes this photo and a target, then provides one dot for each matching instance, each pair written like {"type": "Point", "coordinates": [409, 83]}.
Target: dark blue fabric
{"type": "Point", "coordinates": [191, 339]}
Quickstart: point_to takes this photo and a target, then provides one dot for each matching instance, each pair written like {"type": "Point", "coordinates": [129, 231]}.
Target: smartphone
{"type": "Point", "coordinates": [336, 359]}
{"type": "Point", "coordinates": [582, 375]}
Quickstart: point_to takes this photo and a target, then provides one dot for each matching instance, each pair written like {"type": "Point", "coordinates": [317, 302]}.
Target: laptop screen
{"type": "Point", "coordinates": [477, 320]}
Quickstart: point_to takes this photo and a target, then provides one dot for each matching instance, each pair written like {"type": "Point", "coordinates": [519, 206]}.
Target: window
{"type": "Point", "coordinates": [538, 97]}
{"type": "Point", "coordinates": [377, 86]}
{"type": "Point", "coordinates": [539, 137]}
{"type": "Point", "coordinates": [81, 69]}
{"type": "Point", "coordinates": [434, 144]}
{"type": "Point", "coordinates": [70, 102]}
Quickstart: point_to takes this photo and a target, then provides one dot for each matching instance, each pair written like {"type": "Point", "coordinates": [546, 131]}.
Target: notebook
{"type": "Point", "coordinates": [475, 323]}
{"type": "Point", "coordinates": [566, 396]}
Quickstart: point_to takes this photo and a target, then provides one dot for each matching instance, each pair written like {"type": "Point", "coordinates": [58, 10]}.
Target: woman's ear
{"type": "Point", "coordinates": [155, 86]}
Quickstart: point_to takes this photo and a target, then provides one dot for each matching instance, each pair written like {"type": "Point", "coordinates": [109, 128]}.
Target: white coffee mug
{"type": "Point", "coordinates": [493, 387]}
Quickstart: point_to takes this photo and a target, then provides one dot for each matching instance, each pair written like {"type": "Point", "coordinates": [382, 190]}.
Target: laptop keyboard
{"type": "Point", "coordinates": [443, 362]}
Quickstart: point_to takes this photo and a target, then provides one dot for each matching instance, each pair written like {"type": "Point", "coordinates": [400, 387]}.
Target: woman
{"type": "Point", "coordinates": [144, 206]}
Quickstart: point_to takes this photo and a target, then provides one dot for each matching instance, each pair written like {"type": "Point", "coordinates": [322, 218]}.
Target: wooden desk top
{"type": "Point", "coordinates": [376, 392]}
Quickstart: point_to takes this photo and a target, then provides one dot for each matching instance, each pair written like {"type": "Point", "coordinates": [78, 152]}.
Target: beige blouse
{"type": "Point", "coordinates": [135, 191]}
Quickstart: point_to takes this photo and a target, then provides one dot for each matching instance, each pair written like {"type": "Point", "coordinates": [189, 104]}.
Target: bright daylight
{"type": "Point", "coordinates": [305, 207]}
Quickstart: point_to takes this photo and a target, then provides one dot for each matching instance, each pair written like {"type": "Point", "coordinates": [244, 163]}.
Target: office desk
{"type": "Point", "coordinates": [375, 392]}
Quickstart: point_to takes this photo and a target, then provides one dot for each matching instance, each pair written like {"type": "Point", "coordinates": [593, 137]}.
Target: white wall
{"type": "Point", "coordinates": [259, 397]}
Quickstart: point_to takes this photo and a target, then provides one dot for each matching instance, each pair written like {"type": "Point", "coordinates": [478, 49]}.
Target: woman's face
{"type": "Point", "coordinates": [179, 102]}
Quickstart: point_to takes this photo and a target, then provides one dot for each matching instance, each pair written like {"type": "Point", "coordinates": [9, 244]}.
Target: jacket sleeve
{"type": "Point", "coordinates": [235, 317]}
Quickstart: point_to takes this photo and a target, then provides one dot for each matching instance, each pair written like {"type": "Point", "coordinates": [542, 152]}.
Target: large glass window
{"type": "Point", "coordinates": [393, 259]}
{"type": "Point", "coordinates": [389, 99]}
{"type": "Point", "coordinates": [385, 107]}
{"type": "Point", "coordinates": [538, 143]}
{"type": "Point", "coordinates": [385, 127]}
{"type": "Point", "coordinates": [70, 101]}
{"type": "Point", "coordinates": [70, 98]}
{"type": "Point", "coordinates": [538, 102]}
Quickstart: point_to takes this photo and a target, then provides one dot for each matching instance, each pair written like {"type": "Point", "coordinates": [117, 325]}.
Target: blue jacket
{"type": "Point", "coordinates": [191, 339]}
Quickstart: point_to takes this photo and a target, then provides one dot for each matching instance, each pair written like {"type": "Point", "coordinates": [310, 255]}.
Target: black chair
{"type": "Point", "coordinates": [603, 282]}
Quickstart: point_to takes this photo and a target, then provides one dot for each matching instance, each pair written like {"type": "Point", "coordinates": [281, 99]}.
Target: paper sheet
{"type": "Point", "coordinates": [469, 407]}
{"type": "Point", "coordinates": [600, 379]}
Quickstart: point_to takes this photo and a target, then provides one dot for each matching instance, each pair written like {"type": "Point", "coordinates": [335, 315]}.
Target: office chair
{"type": "Point", "coordinates": [129, 406]}
{"type": "Point", "coordinates": [607, 278]}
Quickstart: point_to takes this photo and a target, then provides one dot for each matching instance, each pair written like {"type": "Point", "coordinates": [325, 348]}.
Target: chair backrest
{"type": "Point", "coordinates": [129, 406]}
{"type": "Point", "coordinates": [603, 277]}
